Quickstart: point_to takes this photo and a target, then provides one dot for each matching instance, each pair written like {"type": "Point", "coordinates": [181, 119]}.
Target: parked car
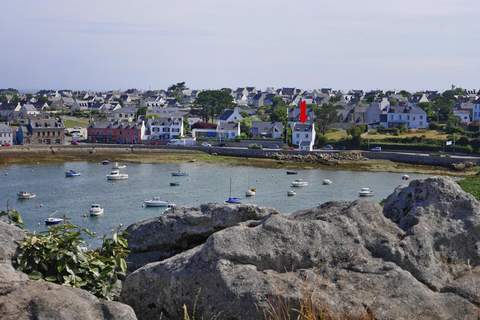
{"type": "Point", "coordinates": [376, 149]}
{"type": "Point", "coordinates": [75, 143]}
{"type": "Point", "coordinates": [6, 145]}
{"type": "Point", "coordinates": [327, 147]}
{"type": "Point", "coordinates": [206, 145]}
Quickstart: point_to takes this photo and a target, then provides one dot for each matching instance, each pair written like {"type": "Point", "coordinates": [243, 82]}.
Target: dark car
{"type": "Point", "coordinates": [327, 147]}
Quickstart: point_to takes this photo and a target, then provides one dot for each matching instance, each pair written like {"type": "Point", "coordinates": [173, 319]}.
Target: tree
{"type": "Point", "coordinates": [280, 114]}
{"type": "Point", "coordinates": [142, 111]}
{"type": "Point", "coordinates": [355, 133]}
{"type": "Point", "coordinates": [326, 116]}
{"type": "Point", "coordinates": [176, 90]}
{"type": "Point", "coordinates": [213, 102]}
{"type": "Point", "coordinates": [246, 126]}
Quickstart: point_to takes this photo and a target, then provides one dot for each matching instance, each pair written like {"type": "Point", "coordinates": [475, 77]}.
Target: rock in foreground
{"type": "Point", "coordinates": [159, 238]}
{"type": "Point", "coordinates": [21, 298]}
{"type": "Point", "coordinates": [353, 258]}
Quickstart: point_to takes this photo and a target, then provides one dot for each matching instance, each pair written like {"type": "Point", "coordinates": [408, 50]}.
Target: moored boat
{"type": "Point", "coordinates": [71, 173]}
{"type": "Point", "coordinates": [96, 210]}
{"type": "Point", "coordinates": [327, 182]}
{"type": "Point", "coordinates": [366, 192]}
{"type": "Point", "coordinates": [52, 221]}
{"type": "Point", "coordinates": [292, 172]}
{"type": "Point", "coordinates": [251, 192]}
{"type": "Point", "coordinates": [291, 193]}
{"type": "Point", "coordinates": [233, 200]}
{"type": "Point", "coordinates": [299, 183]}
{"type": "Point", "coordinates": [405, 177]}
{"type": "Point", "coordinates": [116, 175]}
{"type": "Point", "coordinates": [24, 195]}
{"type": "Point", "coordinates": [179, 174]}
{"type": "Point", "coordinates": [174, 184]}
{"type": "Point", "coordinates": [105, 162]}
{"type": "Point", "coordinates": [156, 202]}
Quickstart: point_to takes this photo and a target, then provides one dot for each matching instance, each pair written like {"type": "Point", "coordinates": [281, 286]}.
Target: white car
{"type": "Point", "coordinates": [206, 145]}
{"type": "Point", "coordinates": [376, 149]}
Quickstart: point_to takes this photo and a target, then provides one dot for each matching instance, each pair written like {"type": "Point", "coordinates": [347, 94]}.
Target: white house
{"type": "Point", "coordinates": [412, 116]}
{"type": "Point", "coordinates": [463, 115]}
{"type": "Point", "coordinates": [303, 135]}
{"type": "Point", "coordinates": [166, 128]}
{"type": "Point", "coordinates": [123, 114]}
{"type": "Point", "coordinates": [263, 129]}
{"type": "Point", "coordinates": [6, 134]}
{"type": "Point", "coordinates": [231, 115]}
{"type": "Point", "coordinates": [228, 130]}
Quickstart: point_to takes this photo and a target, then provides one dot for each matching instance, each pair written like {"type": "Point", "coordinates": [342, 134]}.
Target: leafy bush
{"type": "Point", "coordinates": [13, 217]}
{"type": "Point", "coordinates": [59, 255]}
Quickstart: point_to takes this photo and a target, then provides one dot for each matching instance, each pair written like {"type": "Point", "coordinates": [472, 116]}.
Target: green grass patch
{"type": "Point", "coordinates": [76, 123]}
{"type": "Point", "coordinates": [471, 185]}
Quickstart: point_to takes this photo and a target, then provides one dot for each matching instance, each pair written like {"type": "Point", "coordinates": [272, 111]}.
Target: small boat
{"type": "Point", "coordinates": [299, 183]}
{"type": "Point", "coordinates": [156, 202]}
{"type": "Point", "coordinates": [52, 221]}
{"type": "Point", "coordinates": [116, 175]}
{"type": "Point", "coordinates": [292, 172]}
{"type": "Point", "coordinates": [105, 162]}
{"type": "Point", "coordinates": [71, 174]}
{"type": "Point", "coordinates": [179, 174]}
{"type": "Point", "coordinates": [291, 193]}
{"type": "Point", "coordinates": [233, 200]}
{"type": "Point", "coordinates": [366, 192]}
{"type": "Point", "coordinates": [117, 166]}
{"type": "Point", "coordinates": [23, 195]}
{"type": "Point", "coordinates": [405, 177]}
{"type": "Point", "coordinates": [95, 210]}
{"type": "Point", "coordinates": [327, 182]}
{"type": "Point", "coordinates": [251, 192]}
{"type": "Point", "coordinates": [174, 184]}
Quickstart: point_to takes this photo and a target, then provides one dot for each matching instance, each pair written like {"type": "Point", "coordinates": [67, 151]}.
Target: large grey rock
{"type": "Point", "coordinates": [349, 257]}
{"type": "Point", "coordinates": [442, 230]}
{"type": "Point", "coordinates": [159, 238]}
{"type": "Point", "coordinates": [21, 298]}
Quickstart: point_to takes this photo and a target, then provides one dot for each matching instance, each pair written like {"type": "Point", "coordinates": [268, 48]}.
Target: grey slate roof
{"type": "Point", "coordinates": [226, 114]}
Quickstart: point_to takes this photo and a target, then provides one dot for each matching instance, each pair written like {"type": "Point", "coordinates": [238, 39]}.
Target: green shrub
{"type": "Point", "coordinates": [255, 146]}
{"type": "Point", "coordinates": [59, 255]}
{"type": "Point", "coordinates": [13, 217]}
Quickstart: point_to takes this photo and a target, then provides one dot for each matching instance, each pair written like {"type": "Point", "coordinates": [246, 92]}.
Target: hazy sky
{"type": "Point", "coordinates": [114, 44]}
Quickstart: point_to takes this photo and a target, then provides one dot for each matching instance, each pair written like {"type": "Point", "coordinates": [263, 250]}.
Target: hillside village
{"type": "Point", "coordinates": [179, 115]}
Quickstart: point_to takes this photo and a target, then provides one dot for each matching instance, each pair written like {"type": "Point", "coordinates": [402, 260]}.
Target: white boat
{"type": "Point", "coordinates": [299, 183]}
{"type": "Point", "coordinates": [52, 221]}
{"type": "Point", "coordinates": [95, 210]}
{"type": "Point", "coordinates": [116, 175]}
{"type": "Point", "coordinates": [156, 202]}
{"type": "Point", "coordinates": [366, 192]}
{"type": "Point", "coordinates": [179, 174]}
{"type": "Point", "coordinates": [291, 193]}
{"type": "Point", "coordinates": [23, 195]}
{"type": "Point", "coordinates": [327, 182]}
{"type": "Point", "coordinates": [405, 177]}
{"type": "Point", "coordinates": [117, 166]}
{"type": "Point", "coordinates": [251, 192]}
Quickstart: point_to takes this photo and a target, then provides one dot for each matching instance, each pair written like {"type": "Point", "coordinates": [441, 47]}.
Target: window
{"type": "Point", "coordinates": [298, 135]}
{"type": "Point", "coordinates": [306, 135]}
{"type": "Point", "coordinates": [421, 117]}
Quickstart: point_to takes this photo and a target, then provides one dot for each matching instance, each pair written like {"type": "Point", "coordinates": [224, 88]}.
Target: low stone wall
{"type": "Point", "coordinates": [442, 161]}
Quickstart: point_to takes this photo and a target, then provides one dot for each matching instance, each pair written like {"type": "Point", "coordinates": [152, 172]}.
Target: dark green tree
{"type": "Point", "coordinates": [213, 102]}
{"type": "Point", "coordinates": [326, 116]}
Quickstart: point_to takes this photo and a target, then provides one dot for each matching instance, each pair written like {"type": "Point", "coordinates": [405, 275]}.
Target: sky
{"type": "Point", "coordinates": [149, 44]}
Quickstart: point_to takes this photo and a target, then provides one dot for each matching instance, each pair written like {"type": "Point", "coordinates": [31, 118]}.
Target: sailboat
{"type": "Point", "coordinates": [251, 192]}
{"type": "Point", "coordinates": [232, 200]}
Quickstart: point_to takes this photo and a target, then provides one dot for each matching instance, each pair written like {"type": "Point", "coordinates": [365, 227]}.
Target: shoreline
{"type": "Point", "coordinates": [38, 155]}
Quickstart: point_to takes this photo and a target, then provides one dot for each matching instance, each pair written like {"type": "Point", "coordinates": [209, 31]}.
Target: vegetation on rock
{"type": "Point", "coordinates": [60, 255]}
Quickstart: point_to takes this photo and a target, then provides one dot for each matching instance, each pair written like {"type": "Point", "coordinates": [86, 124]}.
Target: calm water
{"type": "Point", "coordinates": [123, 200]}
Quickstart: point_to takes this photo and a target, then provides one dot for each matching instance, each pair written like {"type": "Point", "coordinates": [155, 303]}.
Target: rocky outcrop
{"type": "Point", "coordinates": [325, 157]}
{"type": "Point", "coordinates": [415, 258]}
{"type": "Point", "coordinates": [21, 298]}
{"type": "Point", "coordinates": [184, 228]}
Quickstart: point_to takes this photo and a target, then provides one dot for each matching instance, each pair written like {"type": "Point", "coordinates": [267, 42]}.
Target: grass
{"type": "Point", "coordinates": [336, 135]}
{"type": "Point", "coordinates": [471, 185]}
{"type": "Point", "coordinates": [75, 122]}
{"type": "Point", "coordinates": [427, 134]}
